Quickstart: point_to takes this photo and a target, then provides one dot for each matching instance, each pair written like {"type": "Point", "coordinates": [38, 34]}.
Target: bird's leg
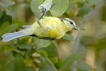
{"type": "Point", "coordinates": [43, 12]}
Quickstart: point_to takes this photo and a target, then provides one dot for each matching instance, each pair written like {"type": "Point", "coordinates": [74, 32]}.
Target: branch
{"type": "Point", "coordinates": [85, 22]}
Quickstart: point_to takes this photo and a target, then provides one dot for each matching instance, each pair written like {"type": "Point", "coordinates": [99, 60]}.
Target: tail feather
{"type": "Point", "coordinates": [10, 36]}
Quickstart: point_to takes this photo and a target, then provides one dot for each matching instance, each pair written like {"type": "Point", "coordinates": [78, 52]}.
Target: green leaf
{"type": "Point", "coordinates": [55, 43]}
{"type": "Point", "coordinates": [22, 44]}
{"type": "Point", "coordinates": [43, 69]}
{"type": "Point", "coordinates": [30, 69]}
{"type": "Point", "coordinates": [1, 13]}
{"type": "Point", "coordinates": [19, 64]}
{"type": "Point", "coordinates": [5, 18]}
{"type": "Point", "coordinates": [81, 1]}
{"type": "Point", "coordinates": [41, 42]}
{"type": "Point", "coordinates": [71, 59]}
{"type": "Point", "coordinates": [29, 52]}
{"type": "Point", "coordinates": [51, 50]}
{"type": "Point", "coordinates": [9, 12]}
{"type": "Point", "coordinates": [93, 2]}
{"type": "Point", "coordinates": [4, 25]}
{"type": "Point", "coordinates": [68, 37]}
{"type": "Point", "coordinates": [9, 66]}
{"type": "Point", "coordinates": [2, 5]}
{"type": "Point", "coordinates": [49, 67]}
{"type": "Point", "coordinates": [42, 52]}
{"type": "Point", "coordinates": [20, 23]}
{"type": "Point", "coordinates": [6, 63]}
{"type": "Point", "coordinates": [44, 59]}
{"type": "Point", "coordinates": [83, 67]}
{"type": "Point", "coordinates": [10, 28]}
{"type": "Point", "coordinates": [84, 10]}
{"type": "Point", "coordinates": [70, 7]}
{"type": "Point", "coordinates": [46, 64]}
{"type": "Point", "coordinates": [46, 4]}
{"type": "Point", "coordinates": [8, 2]}
{"type": "Point", "coordinates": [11, 48]}
{"type": "Point", "coordinates": [34, 7]}
{"type": "Point", "coordinates": [5, 6]}
{"type": "Point", "coordinates": [60, 6]}
{"type": "Point", "coordinates": [25, 46]}
{"type": "Point", "coordinates": [60, 63]}
{"type": "Point", "coordinates": [27, 60]}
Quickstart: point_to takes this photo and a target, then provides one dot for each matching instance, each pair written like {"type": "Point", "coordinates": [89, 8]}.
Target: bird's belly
{"type": "Point", "coordinates": [51, 30]}
{"type": "Point", "coordinates": [49, 33]}
{"type": "Point", "coordinates": [54, 34]}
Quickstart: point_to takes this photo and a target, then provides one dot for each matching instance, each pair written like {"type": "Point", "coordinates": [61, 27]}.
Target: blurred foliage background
{"type": "Point", "coordinates": [82, 50]}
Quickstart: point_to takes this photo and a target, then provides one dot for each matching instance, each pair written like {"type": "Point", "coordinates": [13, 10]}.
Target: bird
{"type": "Point", "coordinates": [47, 27]}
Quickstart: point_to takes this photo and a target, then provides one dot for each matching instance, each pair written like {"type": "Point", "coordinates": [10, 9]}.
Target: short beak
{"type": "Point", "coordinates": [75, 28]}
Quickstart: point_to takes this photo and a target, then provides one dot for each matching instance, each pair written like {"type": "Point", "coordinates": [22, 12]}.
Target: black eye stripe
{"type": "Point", "coordinates": [66, 20]}
{"type": "Point", "coordinates": [69, 21]}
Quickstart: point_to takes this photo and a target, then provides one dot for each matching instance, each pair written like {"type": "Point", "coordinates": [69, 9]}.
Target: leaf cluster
{"type": "Point", "coordinates": [30, 53]}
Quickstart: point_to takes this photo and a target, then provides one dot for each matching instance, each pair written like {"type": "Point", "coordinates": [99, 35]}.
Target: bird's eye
{"type": "Point", "coordinates": [71, 22]}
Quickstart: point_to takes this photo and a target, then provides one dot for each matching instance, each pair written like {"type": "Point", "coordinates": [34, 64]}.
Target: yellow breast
{"type": "Point", "coordinates": [51, 27]}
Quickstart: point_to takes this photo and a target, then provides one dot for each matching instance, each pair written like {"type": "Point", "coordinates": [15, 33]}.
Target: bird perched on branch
{"type": "Point", "coordinates": [45, 28]}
